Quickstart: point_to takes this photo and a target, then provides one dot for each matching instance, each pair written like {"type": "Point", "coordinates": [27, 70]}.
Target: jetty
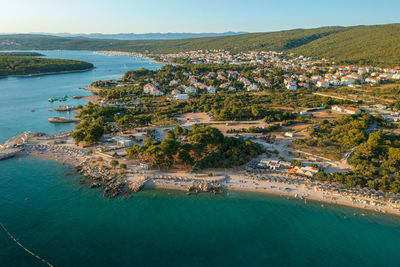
{"type": "Point", "coordinates": [64, 108]}
{"type": "Point", "coordinates": [9, 153]}
{"type": "Point", "coordinates": [62, 120]}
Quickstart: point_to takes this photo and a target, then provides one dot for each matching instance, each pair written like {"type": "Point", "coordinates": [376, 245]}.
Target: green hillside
{"type": "Point", "coordinates": [32, 65]}
{"type": "Point", "coordinates": [364, 44]}
{"type": "Point", "coordinates": [276, 41]}
{"type": "Point", "coordinates": [379, 45]}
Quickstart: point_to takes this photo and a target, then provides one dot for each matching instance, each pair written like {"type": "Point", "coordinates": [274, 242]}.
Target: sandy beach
{"type": "Point", "coordinates": [269, 182]}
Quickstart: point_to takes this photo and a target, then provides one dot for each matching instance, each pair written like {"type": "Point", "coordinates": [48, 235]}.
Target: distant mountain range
{"type": "Point", "coordinates": [145, 36]}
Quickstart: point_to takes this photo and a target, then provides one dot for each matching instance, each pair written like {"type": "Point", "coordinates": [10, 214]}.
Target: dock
{"type": "Point", "coordinates": [62, 120]}
{"type": "Point", "coordinates": [9, 153]}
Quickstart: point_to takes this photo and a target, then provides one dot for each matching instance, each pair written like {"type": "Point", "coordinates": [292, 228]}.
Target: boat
{"type": "Point", "coordinates": [77, 96]}
{"type": "Point", "coordinates": [63, 98]}
{"type": "Point", "coordinates": [33, 110]}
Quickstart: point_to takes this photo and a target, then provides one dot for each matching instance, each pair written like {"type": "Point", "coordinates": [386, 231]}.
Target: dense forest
{"type": "Point", "coordinates": [20, 54]}
{"type": "Point", "coordinates": [378, 45]}
{"type": "Point", "coordinates": [22, 65]}
{"type": "Point", "coordinates": [203, 147]}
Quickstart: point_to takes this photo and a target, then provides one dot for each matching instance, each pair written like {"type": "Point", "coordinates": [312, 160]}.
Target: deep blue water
{"type": "Point", "coordinates": [44, 207]}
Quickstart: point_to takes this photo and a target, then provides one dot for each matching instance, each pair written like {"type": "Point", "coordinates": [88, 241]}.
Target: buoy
{"type": "Point", "coordinates": [19, 244]}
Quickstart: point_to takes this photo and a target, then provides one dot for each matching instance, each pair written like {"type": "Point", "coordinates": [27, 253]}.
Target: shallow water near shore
{"type": "Point", "coordinates": [50, 213]}
{"type": "Point", "coordinates": [69, 224]}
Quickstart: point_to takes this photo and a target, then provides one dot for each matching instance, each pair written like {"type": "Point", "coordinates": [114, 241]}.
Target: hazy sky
{"type": "Point", "coordinates": [142, 16]}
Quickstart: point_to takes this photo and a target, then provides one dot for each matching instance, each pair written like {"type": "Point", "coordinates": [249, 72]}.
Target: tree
{"type": "Point", "coordinates": [184, 156]}
{"type": "Point", "coordinates": [123, 166]}
{"type": "Point", "coordinates": [170, 135]}
{"type": "Point", "coordinates": [114, 163]}
{"type": "Point", "coordinates": [169, 146]}
{"type": "Point", "coordinates": [135, 151]}
{"type": "Point", "coordinates": [178, 131]}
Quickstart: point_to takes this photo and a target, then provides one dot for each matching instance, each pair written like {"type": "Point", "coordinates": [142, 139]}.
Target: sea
{"type": "Point", "coordinates": [48, 218]}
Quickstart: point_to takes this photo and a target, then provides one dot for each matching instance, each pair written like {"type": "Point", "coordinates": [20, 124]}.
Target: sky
{"type": "Point", "coordinates": [144, 16]}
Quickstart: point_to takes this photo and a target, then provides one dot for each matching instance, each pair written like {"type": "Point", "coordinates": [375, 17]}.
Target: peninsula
{"type": "Point", "coordinates": [31, 63]}
{"type": "Point", "coordinates": [257, 121]}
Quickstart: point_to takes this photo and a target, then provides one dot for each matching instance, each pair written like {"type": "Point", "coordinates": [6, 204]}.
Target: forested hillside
{"type": "Point", "coordinates": [378, 45]}
{"type": "Point", "coordinates": [364, 44]}
{"type": "Point", "coordinates": [29, 65]}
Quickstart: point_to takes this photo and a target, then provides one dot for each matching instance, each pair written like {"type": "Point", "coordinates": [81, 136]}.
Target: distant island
{"type": "Point", "coordinates": [30, 63]}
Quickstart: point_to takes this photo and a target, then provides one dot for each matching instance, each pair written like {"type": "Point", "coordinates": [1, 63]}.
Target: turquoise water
{"type": "Point", "coordinates": [18, 96]}
{"type": "Point", "coordinates": [44, 207]}
{"type": "Point", "coordinates": [72, 225]}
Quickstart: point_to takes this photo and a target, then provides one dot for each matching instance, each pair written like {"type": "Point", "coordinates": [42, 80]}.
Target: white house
{"type": "Point", "coordinates": [288, 134]}
{"type": "Point", "coordinates": [347, 80]}
{"type": "Point", "coordinates": [211, 90]}
{"type": "Point", "coordinates": [190, 90]}
{"type": "Point", "coordinates": [252, 87]}
{"type": "Point", "coordinates": [350, 110]}
{"type": "Point", "coordinates": [322, 83]}
{"type": "Point", "coordinates": [173, 83]}
{"type": "Point", "coordinates": [181, 97]}
{"type": "Point", "coordinates": [338, 108]}
{"type": "Point", "coordinates": [291, 86]}
{"type": "Point", "coordinates": [122, 141]}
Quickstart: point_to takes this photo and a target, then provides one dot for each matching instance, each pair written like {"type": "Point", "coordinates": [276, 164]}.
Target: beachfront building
{"type": "Point", "coordinates": [122, 141]}
{"type": "Point", "coordinates": [306, 171]}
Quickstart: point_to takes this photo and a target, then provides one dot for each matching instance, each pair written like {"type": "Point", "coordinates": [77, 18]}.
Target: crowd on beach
{"type": "Point", "coordinates": [60, 152]}
{"type": "Point", "coordinates": [330, 191]}
{"type": "Point", "coordinates": [266, 180]}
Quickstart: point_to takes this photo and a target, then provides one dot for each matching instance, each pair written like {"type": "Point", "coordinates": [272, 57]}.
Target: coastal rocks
{"type": "Point", "coordinates": [95, 185]}
{"type": "Point", "coordinates": [113, 186]}
{"type": "Point", "coordinates": [211, 187]}
{"type": "Point", "coordinates": [137, 185]}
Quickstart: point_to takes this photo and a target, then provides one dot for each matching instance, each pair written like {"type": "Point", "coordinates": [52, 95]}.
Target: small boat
{"type": "Point", "coordinates": [33, 110]}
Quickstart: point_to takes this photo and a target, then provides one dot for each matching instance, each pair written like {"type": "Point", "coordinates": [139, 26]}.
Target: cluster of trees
{"type": "Point", "coordinates": [345, 133]}
{"type": "Point", "coordinates": [379, 160]}
{"type": "Point", "coordinates": [130, 121]}
{"type": "Point", "coordinates": [206, 147]}
{"type": "Point", "coordinates": [20, 54]}
{"type": "Point", "coordinates": [18, 65]}
{"type": "Point", "coordinates": [95, 122]}
{"type": "Point", "coordinates": [254, 129]}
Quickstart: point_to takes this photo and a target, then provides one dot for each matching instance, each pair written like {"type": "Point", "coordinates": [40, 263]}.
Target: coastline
{"type": "Point", "coordinates": [232, 184]}
{"type": "Point", "coordinates": [46, 73]}
{"type": "Point", "coordinates": [131, 54]}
